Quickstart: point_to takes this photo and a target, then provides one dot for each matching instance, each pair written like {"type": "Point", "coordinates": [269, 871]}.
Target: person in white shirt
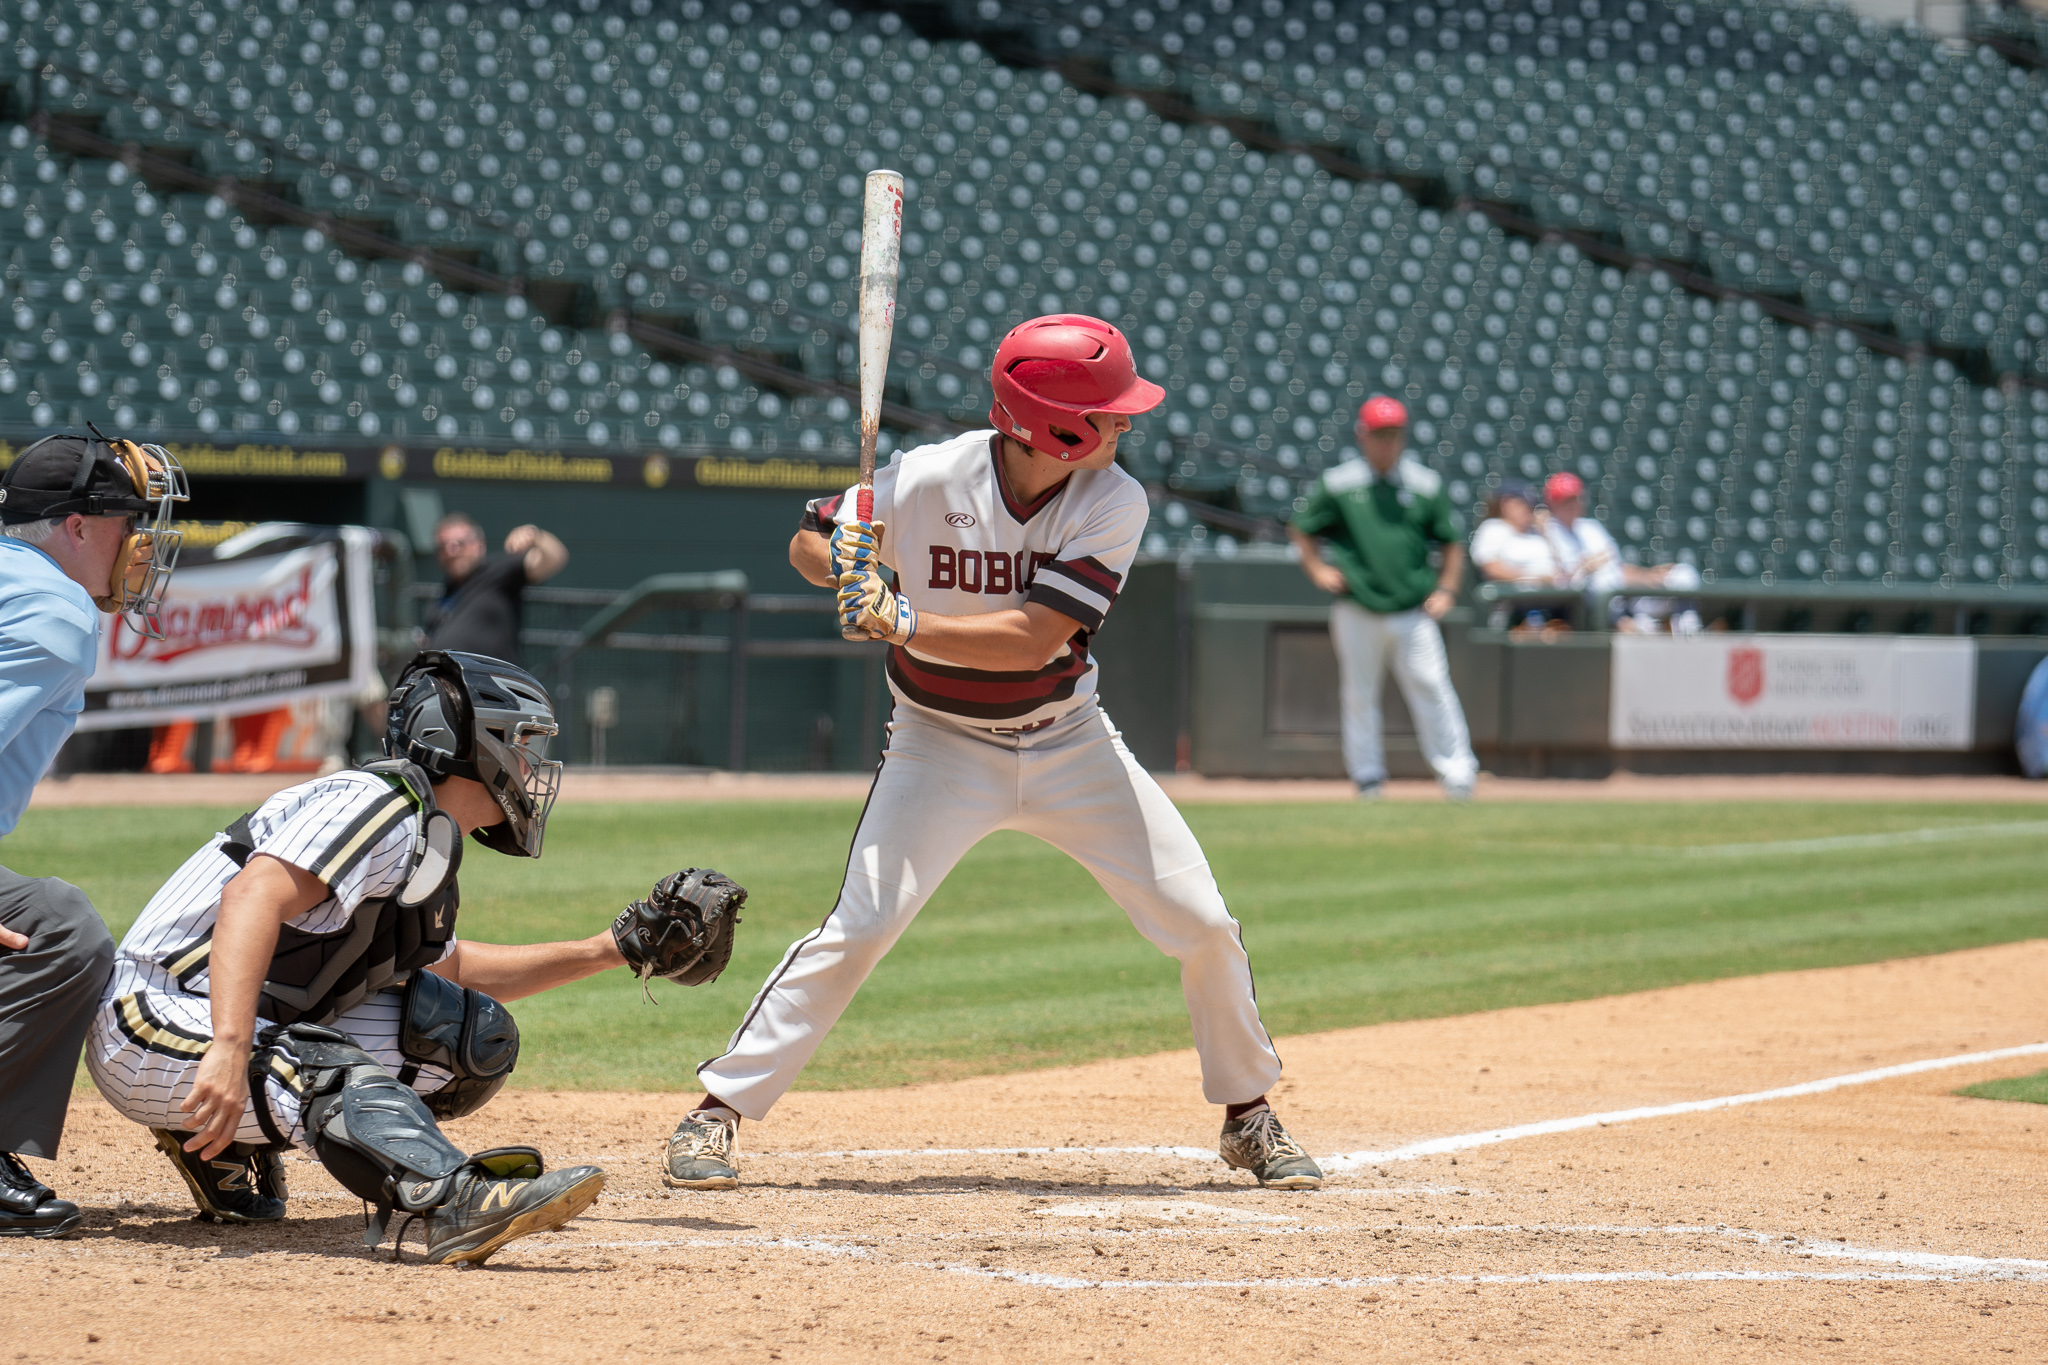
{"type": "Point", "coordinates": [1507, 547]}
{"type": "Point", "coordinates": [1592, 561]}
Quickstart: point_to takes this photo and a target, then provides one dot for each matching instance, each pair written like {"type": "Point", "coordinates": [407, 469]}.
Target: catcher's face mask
{"type": "Point", "coordinates": [524, 781]}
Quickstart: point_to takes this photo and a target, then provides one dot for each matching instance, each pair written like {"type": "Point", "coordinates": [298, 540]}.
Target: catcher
{"type": "Point", "coordinates": [298, 982]}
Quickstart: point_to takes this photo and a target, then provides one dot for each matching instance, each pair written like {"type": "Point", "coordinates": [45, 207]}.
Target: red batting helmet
{"type": "Point", "coordinates": [1381, 411]}
{"type": "Point", "coordinates": [1051, 373]}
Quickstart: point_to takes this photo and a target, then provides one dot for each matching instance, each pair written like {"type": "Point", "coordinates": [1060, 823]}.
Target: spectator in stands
{"type": "Point", "coordinates": [479, 609]}
{"type": "Point", "coordinates": [1365, 533]}
{"type": "Point", "coordinates": [1507, 547]}
{"type": "Point", "coordinates": [1592, 562]}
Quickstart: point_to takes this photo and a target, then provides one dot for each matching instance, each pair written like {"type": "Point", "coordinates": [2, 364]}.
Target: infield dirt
{"type": "Point", "coordinates": [1888, 1221]}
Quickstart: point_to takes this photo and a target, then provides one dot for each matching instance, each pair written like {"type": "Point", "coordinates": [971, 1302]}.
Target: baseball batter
{"type": "Point", "coordinates": [1009, 547]}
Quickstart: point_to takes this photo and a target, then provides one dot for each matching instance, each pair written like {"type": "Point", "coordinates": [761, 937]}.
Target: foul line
{"type": "Point", "coordinates": [1937, 834]}
{"type": "Point", "coordinates": [1929, 834]}
{"type": "Point", "coordinates": [1351, 1161]}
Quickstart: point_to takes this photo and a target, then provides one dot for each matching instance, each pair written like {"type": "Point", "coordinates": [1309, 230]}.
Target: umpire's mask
{"type": "Point", "coordinates": [60, 475]}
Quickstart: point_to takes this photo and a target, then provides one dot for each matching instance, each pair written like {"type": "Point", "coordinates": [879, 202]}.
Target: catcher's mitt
{"type": "Point", "coordinates": [683, 930]}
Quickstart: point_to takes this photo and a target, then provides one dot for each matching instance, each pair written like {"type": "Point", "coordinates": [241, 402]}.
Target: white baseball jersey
{"type": "Point", "coordinates": [352, 830]}
{"type": "Point", "coordinates": [962, 546]}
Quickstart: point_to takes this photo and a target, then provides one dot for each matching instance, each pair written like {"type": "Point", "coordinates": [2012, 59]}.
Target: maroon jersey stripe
{"type": "Point", "coordinates": [1090, 572]}
{"type": "Point", "coordinates": [981, 694]}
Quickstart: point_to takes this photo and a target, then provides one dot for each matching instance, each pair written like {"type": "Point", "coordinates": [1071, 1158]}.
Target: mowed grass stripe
{"type": "Point", "coordinates": [1353, 915]}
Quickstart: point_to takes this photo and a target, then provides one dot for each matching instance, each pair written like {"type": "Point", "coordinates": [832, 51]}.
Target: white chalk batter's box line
{"type": "Point", "coordinates": [1345, 1162]}
{"type": "Point", "coordinates": [1907, 1266]}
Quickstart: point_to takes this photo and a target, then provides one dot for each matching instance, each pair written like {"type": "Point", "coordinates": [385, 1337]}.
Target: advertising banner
{"type": "Point", "coordinates": [256, 629]}
{"type": "Point", "coordinates": [1716, 691]}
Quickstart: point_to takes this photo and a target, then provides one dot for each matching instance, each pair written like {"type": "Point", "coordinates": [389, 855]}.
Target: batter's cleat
{"type": "Point", "coordinates": [1257, 1143]}
{"type": "Point", "coordinates": [28, 1207]}
{"type": "Point", "coordinates": [241, 1184]}
{"type": "Point", "coordinates": [703, 1153]}
{"type": "Point", "coordinates": [486, 1211]}
{"type": "Point", "coordinates": [1371, 791]}
{"type": "Point", "coordinates": [1458, 793]}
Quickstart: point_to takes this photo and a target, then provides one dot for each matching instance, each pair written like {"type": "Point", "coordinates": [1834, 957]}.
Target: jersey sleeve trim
{"type": "Point", "coordinates": [353, 842]}
{"type": "Point", "coordinates": [821, 514]}
{"type": "Point", "coordinates": [1083, 588]}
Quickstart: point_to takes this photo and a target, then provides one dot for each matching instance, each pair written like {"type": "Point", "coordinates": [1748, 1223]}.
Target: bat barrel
{"type": "Point", "coordinates": [881, 249]}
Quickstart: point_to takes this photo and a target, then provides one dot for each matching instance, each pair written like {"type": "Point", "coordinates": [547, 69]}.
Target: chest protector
{"type": "Point", "coordinates": [315, 978]}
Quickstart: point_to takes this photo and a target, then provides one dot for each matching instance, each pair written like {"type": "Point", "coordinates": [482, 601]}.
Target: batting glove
{"type": "Point", "coordinates": [856, 547]}
{"type": "Point", "coordinates": [870, 610]}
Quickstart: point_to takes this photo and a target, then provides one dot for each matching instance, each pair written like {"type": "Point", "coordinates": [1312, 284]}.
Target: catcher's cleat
{"type": "Point", "coordinates": [486, 1211]}
{"type": "Point", "coordinates": [1257, 1143]}
{"type": "Point", "coordinates": [703, 1153]}
{"type": "Point", "coordinates": [241, 1184]}
{"type": "Point", "coordinates": [28, 1207]}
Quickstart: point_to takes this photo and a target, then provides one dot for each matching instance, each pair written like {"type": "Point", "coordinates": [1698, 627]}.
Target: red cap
{"type": "Point", "coordinates": [1558, 487]}
{"type": "Point", "coordinates": [1381, 411]}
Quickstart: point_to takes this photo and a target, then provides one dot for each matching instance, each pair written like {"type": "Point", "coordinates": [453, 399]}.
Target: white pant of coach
{"type": "Point", "coordinates": [941, 789]}
{"type": "Point", "coordinates": [1368, 644]}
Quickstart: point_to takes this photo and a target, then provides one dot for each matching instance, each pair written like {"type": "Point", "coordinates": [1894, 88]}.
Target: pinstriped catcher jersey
{"type": "Point", "coordinates": [962, 546]}
{"type": "Point", "coordinates": [350, 829]}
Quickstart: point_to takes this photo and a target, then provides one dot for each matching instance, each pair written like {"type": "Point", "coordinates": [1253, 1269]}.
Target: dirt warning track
{"type": "Point", "coordinates": [1080, 1214]}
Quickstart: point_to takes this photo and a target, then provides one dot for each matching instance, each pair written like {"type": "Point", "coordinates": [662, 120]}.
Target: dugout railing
{"type": "Point", "coordinates": [700, 672]}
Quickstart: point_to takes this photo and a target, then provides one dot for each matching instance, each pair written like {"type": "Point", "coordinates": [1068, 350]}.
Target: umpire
{"type": "Point", "coordinates": [1378, 519]}
{"type": "Point", "coordinates": [84, 528]}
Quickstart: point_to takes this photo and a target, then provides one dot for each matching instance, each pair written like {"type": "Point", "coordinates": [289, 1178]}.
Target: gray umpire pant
{"type": "Point", "coordinates": [48, 994]}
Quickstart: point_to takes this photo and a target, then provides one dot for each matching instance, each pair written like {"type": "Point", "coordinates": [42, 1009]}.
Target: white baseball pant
{"type": "Point", "coordinates": [941, 789]}
{"type": "Point", "coordinates": [147, 1084]}
{"type": "Point", "coordinates": [1368, 642]}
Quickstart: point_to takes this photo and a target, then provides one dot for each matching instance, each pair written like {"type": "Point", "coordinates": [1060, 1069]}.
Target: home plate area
{"type": "Point", "coordinates": [1764, 1168]}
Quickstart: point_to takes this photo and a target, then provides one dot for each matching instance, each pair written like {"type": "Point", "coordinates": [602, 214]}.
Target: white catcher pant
{"type": "Point", "coordinates": [1367, 643]}
{"type": "Point", "coordinates": [146, 1078]}
{"type": "Point", "coordinates": [942, 789]}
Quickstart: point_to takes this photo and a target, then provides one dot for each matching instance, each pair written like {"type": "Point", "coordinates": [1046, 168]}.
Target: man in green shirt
{"type": "Point", "coordinates": [1365, 532]}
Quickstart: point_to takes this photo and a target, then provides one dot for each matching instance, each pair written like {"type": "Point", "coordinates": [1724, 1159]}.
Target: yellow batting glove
{"type": "Point", "coordinates": [870, 610]}
{"type": "Point", "coordinates": [855, 546]}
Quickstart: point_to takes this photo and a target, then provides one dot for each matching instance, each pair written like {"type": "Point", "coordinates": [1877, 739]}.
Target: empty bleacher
{"type": "Point", "coordinates": [1768, 277]}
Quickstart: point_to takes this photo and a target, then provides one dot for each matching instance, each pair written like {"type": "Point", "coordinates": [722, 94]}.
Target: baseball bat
{"type": "Point", "coordinates": [881, 249]}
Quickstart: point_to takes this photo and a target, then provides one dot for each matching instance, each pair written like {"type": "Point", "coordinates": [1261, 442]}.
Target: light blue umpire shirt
{"type": "Point", "coordinates": [49, 641]}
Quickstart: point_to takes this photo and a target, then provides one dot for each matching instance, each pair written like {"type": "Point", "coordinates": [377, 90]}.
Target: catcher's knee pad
{"type": "Point", "coordinates": [371, 1133]}
{"type": "Point", "coordinates": [458, 1030]}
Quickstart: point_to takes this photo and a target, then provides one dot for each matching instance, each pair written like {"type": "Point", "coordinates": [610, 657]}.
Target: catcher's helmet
{"type": "Point", "coordinates": [464, 715]}
{"type": "Point", "coordinates": [94, 477]}
{"type": "Point", "coordinates": [1051, 373]}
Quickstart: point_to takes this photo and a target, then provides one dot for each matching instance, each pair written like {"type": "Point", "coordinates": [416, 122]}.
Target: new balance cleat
{"type": "Point", "coordinates": [486, 1211]}
{"type": "Point", "coordinates": [241, 1184]}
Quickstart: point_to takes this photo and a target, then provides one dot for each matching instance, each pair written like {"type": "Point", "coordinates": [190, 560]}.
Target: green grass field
{"type": "Point", "coordinates": [2027, 1089]}
{"type": "Point", "coordinates": [1353, 915]}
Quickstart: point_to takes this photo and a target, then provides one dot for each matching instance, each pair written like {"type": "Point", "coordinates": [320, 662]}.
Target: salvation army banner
{"type": "Point", "coordinates": [255, 629]}
{"type": "Point", "coordinates": [1716, 691]}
